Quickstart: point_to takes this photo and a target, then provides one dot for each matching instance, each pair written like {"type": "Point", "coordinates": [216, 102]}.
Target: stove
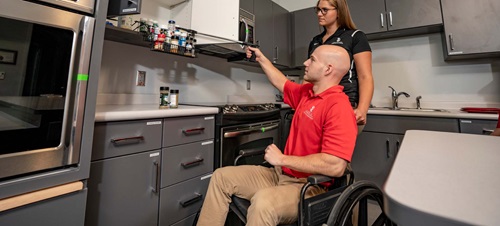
{"type": "Point", "coordinates": [231, 113]}
{"type": "Point", "coordinates": [243, 126]}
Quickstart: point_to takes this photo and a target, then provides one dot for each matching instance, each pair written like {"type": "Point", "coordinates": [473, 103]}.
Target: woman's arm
{"type": "Point", "coordinates": [363, 63]}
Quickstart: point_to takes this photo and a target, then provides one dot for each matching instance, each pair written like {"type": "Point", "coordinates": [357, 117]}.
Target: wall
{"type": "Point", "coordinates": [203, 79]}
{"type": "Point", "coordinates": [416, 65]}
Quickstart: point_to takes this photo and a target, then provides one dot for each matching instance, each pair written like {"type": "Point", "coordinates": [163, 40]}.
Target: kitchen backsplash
{"type": "Point", "coordinates": [416, 65]}
{"type": "Point", "coordinates": [412, 64]}
{"type": "Point", "coordinates": [200, 79]}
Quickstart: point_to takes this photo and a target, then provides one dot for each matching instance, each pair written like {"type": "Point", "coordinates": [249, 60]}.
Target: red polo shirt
{"type": "Point", "coordinates": [323, 123]}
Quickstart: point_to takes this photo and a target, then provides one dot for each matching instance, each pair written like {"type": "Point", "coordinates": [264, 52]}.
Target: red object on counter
{"type": "Point", "coordinates": [481, 110]}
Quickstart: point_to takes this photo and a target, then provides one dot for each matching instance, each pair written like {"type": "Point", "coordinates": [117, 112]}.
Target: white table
{"type": "Point", "coordinates": [442, 178]}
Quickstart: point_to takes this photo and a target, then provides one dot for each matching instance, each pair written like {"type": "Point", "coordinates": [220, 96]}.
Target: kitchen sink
{"type": "Point", "coordinates": [410, 109]}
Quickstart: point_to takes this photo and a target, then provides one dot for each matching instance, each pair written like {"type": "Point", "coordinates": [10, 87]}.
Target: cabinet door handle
{"type": "Point", "coordinates": [197, 197]}
{"type": "Point", "coordinates": [452, 44]}
{"type": "Point", "coordinates": [195, 162]}
{"type": "Point", "coordinates": [195, 131]}
{"type": "Point", "coordinates": [127, 140]}
{"type": "Point", "coordinates": [156, 187]}
{"type": "Point", "coordinates": [387, 148]}
{"type": "Point", "coordinates": [275, 58]}
{"type": "Point", "coordinates": [382, 20]}
{"type": "Point", "coordinates": [487, 131]}
{"type": "Point", "coordinates": [398, 144]}
{"type": "Point", "coordinates": [390, 19]}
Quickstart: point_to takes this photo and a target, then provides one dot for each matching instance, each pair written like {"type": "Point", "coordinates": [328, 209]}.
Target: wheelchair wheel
{"type": "Point", "coordinates": [358, 192]}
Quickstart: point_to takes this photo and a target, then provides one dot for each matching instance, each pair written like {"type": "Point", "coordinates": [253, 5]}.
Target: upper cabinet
{"type": "Point", "coordinates": [304, 27]}
{"type": "Point", "coordinates": [471, 28]}
{"type": "Point", "coordinates": [392, 18]}
{"type": "Point", "coordinates": [272, 31]}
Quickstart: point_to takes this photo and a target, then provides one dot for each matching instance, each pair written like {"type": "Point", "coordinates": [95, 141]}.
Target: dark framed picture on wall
{"type": "Point", "coordinates": [8, 56]}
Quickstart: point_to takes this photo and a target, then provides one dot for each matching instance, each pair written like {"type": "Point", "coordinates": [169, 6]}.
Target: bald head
{"type": "Point", "coordinates": [335, 56]}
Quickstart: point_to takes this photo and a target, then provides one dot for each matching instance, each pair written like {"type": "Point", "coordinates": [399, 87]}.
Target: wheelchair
{"type": "Point", "coordinates": [332, 208]}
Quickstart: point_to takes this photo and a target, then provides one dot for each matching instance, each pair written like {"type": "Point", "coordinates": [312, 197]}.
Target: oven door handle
{"type": "Point", "coordinates": [250, 131]}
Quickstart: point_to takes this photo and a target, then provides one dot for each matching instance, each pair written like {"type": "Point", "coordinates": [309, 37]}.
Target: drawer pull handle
{"type": "Point", "coordinates": [197, 197]}
{"type": "Point", "coordinates": [127, 140]}
{"type": "Point", "coordinates": [487, 131]}
{"type": "Point", "coordinates": [193, 131]}
{"type": "Point", "coordinates": [196, 162]}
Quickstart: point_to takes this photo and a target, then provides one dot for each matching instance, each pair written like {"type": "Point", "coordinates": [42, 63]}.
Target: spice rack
{"type": "Point", "coordinates": [130, 37]}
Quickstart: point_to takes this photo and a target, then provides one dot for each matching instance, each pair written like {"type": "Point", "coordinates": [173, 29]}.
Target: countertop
{"type": "Point", "coordinates": [451, 113]}
{"type": "Point", "coordinates": [106, 113]}
{"type": "Point", "coordinates": [442, 178]}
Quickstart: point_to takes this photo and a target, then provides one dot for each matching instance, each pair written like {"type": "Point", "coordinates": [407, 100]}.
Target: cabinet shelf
{"type": "Point", "coordinates": [130, 37]}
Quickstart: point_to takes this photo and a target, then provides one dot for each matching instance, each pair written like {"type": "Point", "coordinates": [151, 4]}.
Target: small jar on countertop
{"type": "Point", "coordinates": [174, 98]}
{"type": "Point", "coordinates": [164, 97]}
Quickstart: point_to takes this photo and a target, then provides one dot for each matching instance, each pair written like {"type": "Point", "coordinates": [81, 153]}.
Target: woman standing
{"type": "Point", "coordinates": [340, 30]}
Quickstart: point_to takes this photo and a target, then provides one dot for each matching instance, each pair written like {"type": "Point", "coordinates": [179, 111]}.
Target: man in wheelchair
{"type": "Point", "coordinates": [321, 141]}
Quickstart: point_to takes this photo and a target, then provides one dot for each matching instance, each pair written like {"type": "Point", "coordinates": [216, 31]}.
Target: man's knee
{"type": "Point", "coordinates": [263, 202]}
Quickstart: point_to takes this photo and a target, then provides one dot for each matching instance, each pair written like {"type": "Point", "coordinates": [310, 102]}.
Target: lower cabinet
{"type": "Point", "coordinates": [477, 126]}
{"type": "Point", "coordinates": [374, 156]}
{"type": "Point", "coordinates": [142, 175]}
{"type": "Point", "coordinates": [124, 190]}
{"type": "Point", "coordinates": [377, 146]}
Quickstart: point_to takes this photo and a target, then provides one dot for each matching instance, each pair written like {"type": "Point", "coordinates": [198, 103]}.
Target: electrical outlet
{"type": "Point", "coordinates": [140, 78]}
{"type": "Point", "coordinates": [249, 83]}
{"type": "Point", "coordinates": [2, 75]}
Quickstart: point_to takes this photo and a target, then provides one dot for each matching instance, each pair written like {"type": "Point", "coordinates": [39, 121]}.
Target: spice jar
{"type": "Point", "coordinates": [174, 98]}
{"type": "Point", "coordinates": [164, 91]}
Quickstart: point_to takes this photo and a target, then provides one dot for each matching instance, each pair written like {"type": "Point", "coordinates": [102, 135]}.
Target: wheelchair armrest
{"type": "Point", "coordinates": [318, 179]}
{"type": "Point", "coordinates": [252, 151]}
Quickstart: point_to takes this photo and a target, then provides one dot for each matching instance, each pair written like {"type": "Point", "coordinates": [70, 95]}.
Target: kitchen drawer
{"type": "Point", "coordinates": [477, 126]}
{"type": "Point", "coordinates": [183, 199]}
{"type": "Point", "coordinates": [183, 162]}
{"type": "Point", "coordinates": [113, 139]}
{"type": "Point", "coordinates": [399, 124]}
{"type": "Point", "coordinates": [188, 129]}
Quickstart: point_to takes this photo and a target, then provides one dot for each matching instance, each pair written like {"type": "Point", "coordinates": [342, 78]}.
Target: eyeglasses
{"type": "Point", "coordinates": [323, 11]}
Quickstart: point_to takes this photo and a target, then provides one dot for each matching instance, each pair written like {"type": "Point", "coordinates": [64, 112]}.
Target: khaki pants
{"type": "Point", "coordinates": [274, 197]}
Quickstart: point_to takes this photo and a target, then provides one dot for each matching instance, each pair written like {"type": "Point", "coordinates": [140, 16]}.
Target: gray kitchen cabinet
{"type": "Point", "coordinates": [124, 190]}
{"type": "Point", "coordinates": [272, 31]}
{"type": "Point", "coordinates": [150, 172]}
{"type": "Point", "coordinates": [124, 182]}
{"type": "Point", "coordinates": [377, 146]}
{"type": "Point", "coordinates": [305, 26]}
{"type": "Point", "coordinates": [477, 126]}
{"type": "Point", "coordinates": [187, 164]}
{"type": "Point", "coordinates": [471, 28]}
{"type": "Point", "coordinates": [247, 5]}
{"type": "Point", "coordinates": [281, 36]}
{"type": "Point", "coordinates": [392, 18]}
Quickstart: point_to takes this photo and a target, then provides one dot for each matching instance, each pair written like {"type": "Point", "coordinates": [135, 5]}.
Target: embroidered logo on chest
{"type": "Point", "coordinates": [338, 42]}
{"type": "Point", "coordinates": [309, 113]}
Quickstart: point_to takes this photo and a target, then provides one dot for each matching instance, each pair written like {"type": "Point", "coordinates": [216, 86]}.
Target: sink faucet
{"type": "Point", "coordinates": [395, 95]}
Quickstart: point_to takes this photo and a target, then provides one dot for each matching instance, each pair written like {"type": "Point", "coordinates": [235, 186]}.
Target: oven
{"type": "Point", "coordinates": [45, 49]}
{"type": "Point", "coordinates": [248, 138]}
{"type": "Point", "coordinates": [244, 126]}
